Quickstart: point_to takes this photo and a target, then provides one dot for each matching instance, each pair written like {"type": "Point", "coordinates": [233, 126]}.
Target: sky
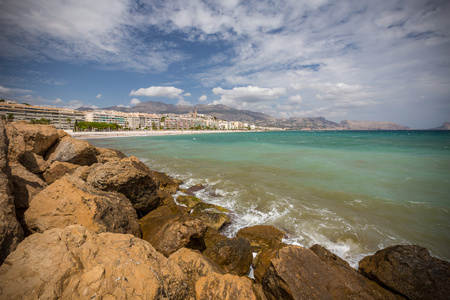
{"type": "Point", "coordinates": [385, 60]}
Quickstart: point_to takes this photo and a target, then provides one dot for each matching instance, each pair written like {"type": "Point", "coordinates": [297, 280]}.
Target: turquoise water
{"type": "Point", "coordinates": [354, 192]}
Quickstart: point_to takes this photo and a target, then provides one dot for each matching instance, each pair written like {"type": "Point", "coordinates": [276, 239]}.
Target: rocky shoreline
{"type": "Point", "coordinates": [81, 222]}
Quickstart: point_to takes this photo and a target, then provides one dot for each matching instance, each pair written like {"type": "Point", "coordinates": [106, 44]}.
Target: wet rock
{"type": "Point", "coordinates": [33, 162]}
{"type": "Point", "coordinates": [409, 271]}
{"type": "Point", "coordinates": [213, 216]}
{"type": "Point", "coordinates": [35, 138]}
{"type": "Point", "coordinates": [129, 177]}
{"type": "Point", "coordinates": [73, 151]}
{"type": "Point", "coordinates": [70, 200]}
{"type": "Point", "coordinates": [57, 170]}
{"type": "Point", "coordinates": [216, 286]}
{"type": "Point", "coordinates": [189, 201]}
{"type": "Point", "coordinates": [165, 211]}
{"type": "Point", "coordinates": [261, 236]}
{"type": "Point", "coordinates": [75, 263]}
{"type": "Point", "coordinates": [232, 255]}
{"type": "Point", "coordinates": [105, 155]}
{"type": "Point", "coordinates": [170, 233]}
{"type": "Point", "coordinates": [193, 189]}
{"type": "Point", "coordinates": [261, 262]}
{"type": "Point", "coordinates": [298, 273]}
{"type": "Point", "coordinates": [11, 234]}
{"type": "Point", "coordinates": [195, 266]}
{"type": "Point", "coordinates": [212, 236]}
{"type": "Point", "coordinates": [26, 186]}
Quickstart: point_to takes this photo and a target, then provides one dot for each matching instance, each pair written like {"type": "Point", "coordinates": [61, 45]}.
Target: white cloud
{"type": "Point", "coordinates": [58, 100]}
{"type": "Point", "coordinates": [297, 99]}
{"type": "Point", "coordinates": [187, 95]}
{"type": "Point", "coordinates": [11, 91]}
{"type": "Point", "coordinates": [159, 91]}
{"type": "Point", "coordinates": [135, 101]}
{"type": "Point", "coordinates": [203, 98]}
{"type": "Point", "coordinates": [182, 102]}
{"type": "Point", "coordinates": [241, 96]}
{"type": "Point", "coordinates": [74, 104]}
{"type": "Point", "coordinates": [99, 96]}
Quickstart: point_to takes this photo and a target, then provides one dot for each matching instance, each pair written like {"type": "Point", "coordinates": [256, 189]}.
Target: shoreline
{"type": "Point", "coordinates": [113, 134]}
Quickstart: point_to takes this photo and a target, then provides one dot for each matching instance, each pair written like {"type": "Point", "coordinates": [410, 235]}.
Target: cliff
{"type": "Point", "coordinates": [370, 125]}
{"type": "Point", "coordinates": [81, 222]}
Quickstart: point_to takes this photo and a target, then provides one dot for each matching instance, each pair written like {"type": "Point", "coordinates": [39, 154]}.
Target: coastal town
{"type": "Point", "coordinates": [95, 120]}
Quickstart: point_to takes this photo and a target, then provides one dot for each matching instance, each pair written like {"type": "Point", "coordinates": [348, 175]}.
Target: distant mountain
{"type": "Point", "coordinates": [232, 114]}
{"type": "Point", "coordinates": [445, 126]}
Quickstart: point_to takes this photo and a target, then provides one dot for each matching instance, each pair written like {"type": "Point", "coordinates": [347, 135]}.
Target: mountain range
{"type": "Point", "coordinates": [227, 113]}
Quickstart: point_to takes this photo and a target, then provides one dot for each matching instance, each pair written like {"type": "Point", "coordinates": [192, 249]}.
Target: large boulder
{"type": "Point", "coordinates": [261, 262]}
{"type": "Point", "coordinates": [298, 273]}
{"type": "Point", "coordinates": [26, 186]}
{"type": "Point", "coordinates": [73, 151]}
{"type": "Point", "coordinates": [33, 162]}
{"type": "Point", "coordinates": [195, 266]}
{"type": "Point", "coordinates": [212, 236]}
{"type": "Point", "coordinates": [11, 234]}
{"type": "Point", "coordinates": [105, 155]}
{"type": "Point", "coordinates": [35, 138]}
{"type": "Point", "coordinates": [232, 255]}
{"type": "Point", "coordinates": [129, 177]}
{"type": "Point", "coordinates": [75, 263]}
{"type": "Point", "coordinates": [261, 236]}
{"type": "Point", "coordinates": [57, 170]}
{"type": "Point", "coordinates": [409, 271]}
{"type": "Point", "coordinates": [70, 200]}
{"type": "Point", "coordinates": [213, 216]}
{"type": "Point", "coordinates": [170, 233]}
{"type": "Point", "coordinates": [164, 182]}
{"type": "Point", "coordinates": [216, 286]}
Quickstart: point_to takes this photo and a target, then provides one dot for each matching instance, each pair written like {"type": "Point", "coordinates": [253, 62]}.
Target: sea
{"type": "Point", "coordinates": [354, 192]}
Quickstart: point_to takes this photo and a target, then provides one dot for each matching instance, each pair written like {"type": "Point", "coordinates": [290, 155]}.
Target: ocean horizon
{"type": "Point", "coordinates": [354, 192]}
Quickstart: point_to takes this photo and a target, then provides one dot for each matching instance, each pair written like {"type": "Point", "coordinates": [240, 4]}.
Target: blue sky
{"type": "Point", "coordinates": [359, 60]}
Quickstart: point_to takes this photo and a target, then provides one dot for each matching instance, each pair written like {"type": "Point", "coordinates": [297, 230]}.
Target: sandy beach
{"type": "Point", "coordinates": [111, 134]}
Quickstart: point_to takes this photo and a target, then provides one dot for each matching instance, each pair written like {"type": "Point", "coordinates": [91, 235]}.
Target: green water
{"type": "Point", "coordinates": [351, 191]}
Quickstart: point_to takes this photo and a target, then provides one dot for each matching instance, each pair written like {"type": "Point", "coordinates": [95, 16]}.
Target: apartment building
{"type": "Point", "coordinates": [59, 117]}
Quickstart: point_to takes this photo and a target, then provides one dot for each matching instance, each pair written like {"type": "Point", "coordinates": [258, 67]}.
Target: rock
{"type": "Point", "coordinates": [11, 234]}
{"type": "Point", "coordinates": [195, 266]}
{"type": "Point", "coordinates": [232, 255]}
{"type": "Point", "coordinates": [298, 273]}
{"type": "Point", "coordinates": [165, 211]}
{"type": "Point", "coordinates": [170, 233]}
{"type": "Point", "coordinates": [164, 182]}
{"type": "Point", "coordinates": [261, 236]}
{"type": "Point", "coordinates": [409, 271]}
{"type": "Point", "coordinates": [33, 162]}
{"type": "Point", "coordinates": [62, 133]}
{"type": "Point", "coordinates": [26, 186]}
{"type": "Point", "coordinates": [216, 286]}
{"type": "Point", "coordinates": [70, 200]}
{"type": "Point", "coordinates": [75, 263]}
{"type": "Point", "coordinates": [193, 189]}
{"type": "Point", "coordinates": [129, 177]}
{"type": "Point", "coordinates": [105, 155]}
{"type": "Point", "coordinates": [73, 151]}
{"type": "Point", "coordinates": [57, 170]}
{"type": "Point", "coordinates": [212, 236]}
{"type": "Point", "coordinates": [35, 138]}
{"type": "Point", "coordinates": [189, 201]}
{"type": "Point", "coordinates": [83, 172]}
{"type": "Point", "coordinates": [261, 262]}
{"type": "Point", "coordinates": [213, 216]}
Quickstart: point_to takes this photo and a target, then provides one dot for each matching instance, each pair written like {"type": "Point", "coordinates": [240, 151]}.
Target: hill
{"type": "Point", "coordinates": [445, 126]}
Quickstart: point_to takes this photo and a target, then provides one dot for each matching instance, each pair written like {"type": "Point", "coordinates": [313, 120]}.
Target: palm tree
{"type": "Point", "coordinates": [69, 120]}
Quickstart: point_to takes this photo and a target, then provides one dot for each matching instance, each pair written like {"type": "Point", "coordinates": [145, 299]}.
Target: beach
{"type": "Point", "coordinates": [112, 134]}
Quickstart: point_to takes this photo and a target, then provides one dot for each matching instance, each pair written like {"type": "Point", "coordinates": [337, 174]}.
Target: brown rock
{"type": "Point", "coordinates": [409, 271]}
{"type": "Point", "coordinates": [193, 189]}
{"type": "Point", "coordinates": [261, 263]}
{"type": "Point", "coordinates": [232, 255]}
{"type": "Point", "coordinates": [164, 182]}
{"type": "Point", "coordinates": [11, 234]}
{"type": "Point", "coordinates": [73, 151]}
{"type": "Point", "coordinates": [212, 236]}
{"type": "Point", "coordinates": [70, 200]}
{"type": "Point", "coordinates": [170, 233]}
{"type": "Point", "coordinates": [216, 286]}
{"type": "Point", "coordinates": [189, 201]}
{"type": "Point", "coordinates": [261, 236]}
{"type": "Point", "coordinates": [213, 216]}
{"type": "Point", "coordinates": [57, 170]}
{"type": "Point", "coordinates": [62, 133]}
{"type": "Point", "coordinates": [75, 263]}
{"type": "Point", "coordinates": [35, 138]}
{"type": "Point", "coordinates": [195, 266]}
{"type": "Point", "coordinates": [105, 155]}
{"type": "Point", "coordinates": [165, 211]}
{"type": "Point", "coordinates": [33, 162]}
{"type": "Point", "coordinates": [129, 177]}
{"type": "Point", "coordinates": [26, 186]}
{"type": "Point", "coordinates": [298, 273]}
